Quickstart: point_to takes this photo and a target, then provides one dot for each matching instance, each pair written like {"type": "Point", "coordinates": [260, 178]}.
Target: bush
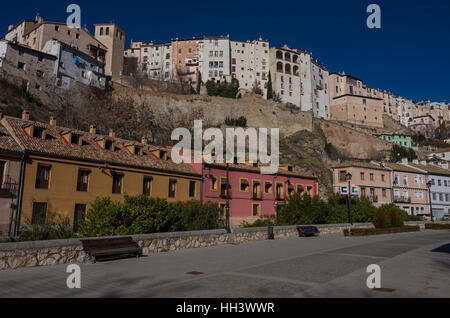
{"type": "Point", "coordinates": [389, 216]}
{"type": "Point", "coordinates": [302, 209]}
{"type": "Point", "coordinates": [228, 90]}
{"type": "Point", "coordinates": [236, 122]}
{"type": "Point", "coordinates": [142, 214]}
{"type": "Point", "coordinates": [267, 220]}
{"type": "Point", "coordinates": [57, 227]}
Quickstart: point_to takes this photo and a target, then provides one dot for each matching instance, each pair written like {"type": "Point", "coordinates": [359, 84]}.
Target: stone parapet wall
{"type": "Point", "coordinates": [44, 253]}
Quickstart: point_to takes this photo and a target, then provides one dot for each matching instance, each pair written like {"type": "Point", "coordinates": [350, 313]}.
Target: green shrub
{"type": "Point", "coordinates": [142, 214]}
{"type": "Point", "coordinates": [389, 216]}
{"type": "Point", "coordinates": [267, 220]}
{"type": "Point", "coordinates": [302, 209]}
{"type": "Point", "coordinates": [236, 122]}
{"type": "Point", "coordinates": [56, 227]}
{"type": "Point", "coordinates": [228, 90]}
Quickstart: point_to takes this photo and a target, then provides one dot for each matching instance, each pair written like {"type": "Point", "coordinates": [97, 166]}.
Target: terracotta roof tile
{"type": "Point", "coordinates": [56, 146]}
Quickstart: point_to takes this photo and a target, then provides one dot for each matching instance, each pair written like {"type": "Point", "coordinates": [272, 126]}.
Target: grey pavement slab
{"type": "Point", "coordinates": [325, 266]}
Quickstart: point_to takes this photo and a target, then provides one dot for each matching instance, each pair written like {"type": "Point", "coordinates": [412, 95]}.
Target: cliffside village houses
{"type": "Point", "coordinates": [37, 54]}
{"type": "Point", "coordinates": [47, 169]}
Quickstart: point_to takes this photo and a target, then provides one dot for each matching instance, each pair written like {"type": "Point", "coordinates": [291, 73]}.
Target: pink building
{"type": "Point", "coordinates": [252, 194]}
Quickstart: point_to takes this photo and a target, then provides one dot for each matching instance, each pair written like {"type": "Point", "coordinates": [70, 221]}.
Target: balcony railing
{"type": "Point", "coordinates": [9, 187]}
{"type": "Point", "coordinates": [402, 200]}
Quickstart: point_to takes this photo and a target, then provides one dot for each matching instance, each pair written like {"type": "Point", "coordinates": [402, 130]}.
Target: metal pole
{"type": "Point", "coordinates": [227, 206]}
{"type": "Point", "coordinates": [431, 207]}
{"type": "Point", "coordinates": [349, 203]}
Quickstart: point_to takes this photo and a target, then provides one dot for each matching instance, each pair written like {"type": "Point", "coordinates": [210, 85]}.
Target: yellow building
{"type": "Point", "coordinates": [67, 169]}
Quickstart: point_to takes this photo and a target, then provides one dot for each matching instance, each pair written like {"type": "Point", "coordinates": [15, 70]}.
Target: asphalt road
{"type": "Point", "coordinates": [412, 265]}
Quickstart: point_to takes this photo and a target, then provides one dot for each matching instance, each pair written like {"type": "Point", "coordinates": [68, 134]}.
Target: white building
{"type": "Point", "coordinates": [439, 176]}
{"type": "Point", "coordinates": [406, 110]}
{"type": "Point", "coordinates": [440, 155]}
{"type": "Point", "coordinates": [320, 97]}
{"type": "Point", "coordinates": [73, 65]}
{"type": "Point", "coordinates": [250, 64]}
{"type": "Point", "coordinates": [154, 61]}
{"type": "Point", "coordinates": [214, 58]}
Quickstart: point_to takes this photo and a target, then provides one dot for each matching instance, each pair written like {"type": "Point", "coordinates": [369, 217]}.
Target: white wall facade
{"type": "Point", "coordinates": [75, 65]}
{"type": "Point", "coordinates": [214, 61]}
{"type": "Point", "coordinates": [440, 195]}
{"type": "Point", "coordinates": [320, 98]}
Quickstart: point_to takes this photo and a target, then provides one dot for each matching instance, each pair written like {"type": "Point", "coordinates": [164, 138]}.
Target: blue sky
{"type": "Point", "coordinates": [409, 55]}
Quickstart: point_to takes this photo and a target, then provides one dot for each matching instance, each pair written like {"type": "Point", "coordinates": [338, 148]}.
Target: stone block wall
{"type": "Point", "coordinates": [70, 251]}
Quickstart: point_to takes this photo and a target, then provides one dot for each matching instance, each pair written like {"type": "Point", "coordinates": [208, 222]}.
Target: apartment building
{"type": "Point", "coordinates": [353, 102]}
{"type": "Point", "coordinates": [27, 68]}
{"type": "Point", "coordinates": [373, 180]}
{"type": "Point", "coordinates": [424, 125]}
{"type": "Point", "coordinates": [319, 87]}
{"type": "Point", "coordinates": [113, 37]}
{"type": "Point", "coordinates": [35, 34]}
{"type": "Point", "coordinates": [10, 172]}
{"type": "Point", "coordinates": [398, 139]}
{"type": "Point", "coordinates": [285, 64]}
{"type": "Point", "coordinates": [185, 60]}
{"type": "Point", "coordinates": [153, 60]}
{"type": "Point", "coordinates": [443, 154]}
{"type": "Point", "coordinates": [73, 65]}
{"type": "Point", "coordinates": [214, 59]}
{"type": "Point", "coordinates": [390, 105]}
{"type": "Point", "coordinates": [250, 64]}
{"type": "Point", "coordinates": [439, 178]}
{"type": "Point", "coordinates": [439, 111]}
{"type": "Point", "coordinates": [406, 110]}
{"type": "Point", "coordinates": [409, 187]}
{"type": "Point", "coordinates": [252, 194]}
{"type": "Point", "coordinates": [67, 169]}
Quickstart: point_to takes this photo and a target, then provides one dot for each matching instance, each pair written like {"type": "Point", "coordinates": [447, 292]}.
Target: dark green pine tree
{"type": "Point", "coordinates": [269, 87]}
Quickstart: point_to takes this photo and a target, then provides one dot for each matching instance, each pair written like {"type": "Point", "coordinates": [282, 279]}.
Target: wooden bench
{"type": "Point", "coordinates": [111, 248]}
{"type": "Point", "coordinates": [305, 231]}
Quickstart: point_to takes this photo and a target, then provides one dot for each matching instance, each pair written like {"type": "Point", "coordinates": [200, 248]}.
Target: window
{"type": "Point", "coordinates": [117, 183]}
{"type": "Point", "coordinates": [371, 177]}
{"type": "Point", "coordinates": [382, 177]}
{"type": "Point", "coordinates": [405, 180]}
{"type": "Point", "coordinates": [383, 193]}
{"type": "Point", "coordinates": [82, 181]}
{"type": "Point", "coordinates": [42, 177]}
{"type": "Point", "coordinates": [222, 209]}
{"type": "Point", "coordinates": [439, 182]}
{"type": "Point", "coordinates": [78, 215]}
{"type": "Point", "coordinates": [342, 175]}
{"type": "Point", "coordinates": [39, 215]}
{"type": "Point", "coordinates": [2, 172]}
{"type": "Point", "coordinates": [147, 186]}
{"type": "Point", "coordinates": [172, 188]}
{"type": "Point", "coordinates": [57, 28]}
{"type": "Point", "coordinates": [256, 190]}
{"type": "Point", "coordinates": [268, 187]}
{"type": "Point", "coordinates": [21, 66]}
{"type": "Point", "coordinates": [279, 191]}
{"type": "Point", "coordinates": [256, 209]}
{"type": "Point", "coordinates": [244, 185]}
{"type": "Point", "coordinates": [191, 189]}
{"type": "Point", "coordinates": [361, 175]}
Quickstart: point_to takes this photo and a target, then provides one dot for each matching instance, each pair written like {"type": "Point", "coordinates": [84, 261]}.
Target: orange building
{"type": "Point", "coordinates": [67, 169]}
{"type": "Point", "coordinates": [185, 60]}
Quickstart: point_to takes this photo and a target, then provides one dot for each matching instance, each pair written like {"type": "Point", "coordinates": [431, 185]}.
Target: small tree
{"type": "Point", "coordinates": [269, 87]}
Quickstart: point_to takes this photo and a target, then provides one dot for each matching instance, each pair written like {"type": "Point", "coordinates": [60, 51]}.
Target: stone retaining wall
{"type": "Point", "coordinates": [44, 253]}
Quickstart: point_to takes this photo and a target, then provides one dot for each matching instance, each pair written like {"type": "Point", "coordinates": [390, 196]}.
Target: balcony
{"type": "Point", "coordinates": [9, 188]}
{"type": "Point", "coordinates": [402, 200]}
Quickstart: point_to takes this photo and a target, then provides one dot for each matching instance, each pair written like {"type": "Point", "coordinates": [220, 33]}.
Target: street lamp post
{"type": "Point", "coordinates": [429, 184]}
{"type": "Point", "coordinates": [349, 195]}
{"type": "Point", "coordinates": [227, 205]}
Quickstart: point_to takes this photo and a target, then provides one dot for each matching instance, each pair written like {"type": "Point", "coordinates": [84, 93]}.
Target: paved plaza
{"type": "Point", "coordinates": [412, 265]}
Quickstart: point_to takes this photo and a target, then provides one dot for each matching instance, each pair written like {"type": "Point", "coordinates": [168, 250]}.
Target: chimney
{"type": "Point", "coordinates": [10, 27]}
{"type": "Point", "coordinates": [52, 121]}
{"type": "Point", "coordinates": [39, 19]}
{"type": "Point", "coordinates": [405, 161]}
{"type": "Point", "coordinates": [92, 129]}
{"type": "Point", "coordinates": [26, 115]}
{"type": "Point", "coordinates": [144, 140]}
{"type": "Point", "coordinates": [415, 161]}
{"type": "Point", "coordinates": [112, 133]}
{"type": "Point", "coordinates": [423, 162]}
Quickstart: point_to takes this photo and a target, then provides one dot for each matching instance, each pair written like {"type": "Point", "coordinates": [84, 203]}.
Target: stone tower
{"type": "Point", "coordinates": [113, 37]}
